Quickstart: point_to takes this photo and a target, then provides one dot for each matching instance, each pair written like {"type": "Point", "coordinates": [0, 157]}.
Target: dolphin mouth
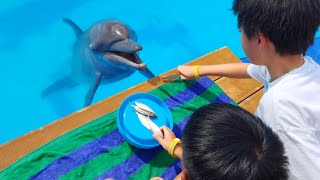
{"type": "Point", "coordinates": [133, 57]}
{"type": "Point", "coordinates": [127, 59]}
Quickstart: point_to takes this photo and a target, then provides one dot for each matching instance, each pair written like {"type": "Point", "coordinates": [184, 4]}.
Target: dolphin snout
{"type": "Point", "coordinates": [126, 46]}
{"type": "Point", "coordinates": [142, 66]}
{"type": "Point", "coordinates": [137, 48]}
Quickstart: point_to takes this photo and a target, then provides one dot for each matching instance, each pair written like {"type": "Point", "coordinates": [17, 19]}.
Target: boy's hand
{"type": "Point", "coordinates": [168, 137]}
{"type": "Point", "coordinates": [186, 72]}
{"type": "Point", "coordinates": [156, 178]}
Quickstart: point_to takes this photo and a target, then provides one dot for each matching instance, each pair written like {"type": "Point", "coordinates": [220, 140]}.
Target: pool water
{"type": "Point", "coordinates": [36, 46]}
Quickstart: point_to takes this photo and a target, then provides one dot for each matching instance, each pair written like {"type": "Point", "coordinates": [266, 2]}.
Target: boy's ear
{"type": "Point", "coordinates": [262, 40]}
{"type": "Point", "coordinates": [184, 174]}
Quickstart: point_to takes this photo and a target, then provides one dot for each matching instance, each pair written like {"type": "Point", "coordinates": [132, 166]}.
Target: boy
{"type": "Point", "coordinates": [275, 36]}
{"type": "Point", "coordinates": [222, 141]}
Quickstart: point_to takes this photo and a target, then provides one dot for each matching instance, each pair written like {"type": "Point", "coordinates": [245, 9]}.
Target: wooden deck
{"type": "Point", "coordinates": [246, 92]}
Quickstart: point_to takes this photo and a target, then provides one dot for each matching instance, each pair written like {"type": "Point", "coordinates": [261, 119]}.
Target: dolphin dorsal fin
{"type": "Point", "coordinates": [74, 26]}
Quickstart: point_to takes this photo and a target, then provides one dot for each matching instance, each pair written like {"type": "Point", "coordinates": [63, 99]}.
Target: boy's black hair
{"type": "Point", "coordinates": [289, 24]}
{"type": "Point", "coordinates": [222, 141]}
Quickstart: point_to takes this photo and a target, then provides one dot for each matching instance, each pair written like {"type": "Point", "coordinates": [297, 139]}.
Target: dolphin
{"type": "Point", "coordinates": [107, 50]}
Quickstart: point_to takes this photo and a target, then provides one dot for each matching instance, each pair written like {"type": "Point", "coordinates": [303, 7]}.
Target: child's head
{"type": "Point", "coordinates": [222, 141]}
{"type": "Point", "coordinates": [289, 24]}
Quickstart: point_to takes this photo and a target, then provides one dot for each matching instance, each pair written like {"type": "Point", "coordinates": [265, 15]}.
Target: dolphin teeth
{"type": "Point", "coordinates": [143, 109]}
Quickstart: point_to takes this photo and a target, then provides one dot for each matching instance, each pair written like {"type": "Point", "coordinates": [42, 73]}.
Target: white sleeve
{"type": "Point", "coordinates": [258, 73]}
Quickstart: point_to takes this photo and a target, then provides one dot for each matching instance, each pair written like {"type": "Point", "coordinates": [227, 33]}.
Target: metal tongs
{"type": "Point", "coordinates": [170, 77]}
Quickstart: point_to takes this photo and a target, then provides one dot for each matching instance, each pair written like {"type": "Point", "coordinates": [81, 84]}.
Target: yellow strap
{"type": "Point", "coordinates": [170, 146]}
{"type": "Point", "coordinates": [173, 145]}
{"type": "Point", "coordinates": [196, 72]}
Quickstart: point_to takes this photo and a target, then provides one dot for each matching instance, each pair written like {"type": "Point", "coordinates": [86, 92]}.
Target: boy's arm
{"type": "Point", "coordinates": [234, 70]}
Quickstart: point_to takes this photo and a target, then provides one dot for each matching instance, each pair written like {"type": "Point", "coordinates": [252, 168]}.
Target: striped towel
{"type": "Point", "coordinates": [98, 151]}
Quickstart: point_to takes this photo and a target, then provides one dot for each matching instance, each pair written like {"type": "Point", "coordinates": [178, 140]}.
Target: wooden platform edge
{"type": "Point", "coordinates": [21, 146]}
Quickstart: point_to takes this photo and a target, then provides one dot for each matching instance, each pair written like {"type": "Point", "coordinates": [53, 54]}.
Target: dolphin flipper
{"type": "Point", "coordinates": [65, 82]}
{"type": "Point", "coordinates": [93, 89]}
{"type": "Point", "coordinates": [74, 26]}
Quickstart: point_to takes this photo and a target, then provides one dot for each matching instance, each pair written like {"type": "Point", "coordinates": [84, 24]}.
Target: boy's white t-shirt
{"type": "Point", "coordinates": [291, 107]}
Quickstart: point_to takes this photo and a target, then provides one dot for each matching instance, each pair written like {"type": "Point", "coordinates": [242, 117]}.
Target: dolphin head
{"type": "Point", "coordinates": [117, 42]}
{"type": "Point", "coordinates": [112, 35]}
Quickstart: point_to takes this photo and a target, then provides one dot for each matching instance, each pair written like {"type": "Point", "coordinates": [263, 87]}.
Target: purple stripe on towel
{"type": "Point", "coordinates": [172, 171]}
{"type": "Point", "coordinates": [80, 156]}
{"type": "Point", "coordinates": [189, 93]}
{"type": "Point", "coordinates": [222, 98]}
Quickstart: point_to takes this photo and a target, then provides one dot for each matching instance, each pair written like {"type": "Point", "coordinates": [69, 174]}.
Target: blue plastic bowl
{"type": "Point", "coordinates": [130, 126]}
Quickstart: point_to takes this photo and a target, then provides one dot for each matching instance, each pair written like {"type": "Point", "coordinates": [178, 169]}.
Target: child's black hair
{"type": "Point", "coordinates": [289, 24]}
{"type": "Point", "coordinates": [222, 141]}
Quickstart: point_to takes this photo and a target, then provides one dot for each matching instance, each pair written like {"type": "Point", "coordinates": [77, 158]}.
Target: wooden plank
{"type": "Point", "coordinates": [251, 103]}
{"type": "Point", "coordinates": [238, 89]}
{"type": "Point", "coordinates": [23, 145]}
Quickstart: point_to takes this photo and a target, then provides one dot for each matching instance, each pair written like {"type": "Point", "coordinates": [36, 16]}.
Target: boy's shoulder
{"type": "Point", "coordinates": [303, 79]}
{"type": "Point", "coordinates": [294, 99]}
{"type": "Point", "coordinates": [301, 85]}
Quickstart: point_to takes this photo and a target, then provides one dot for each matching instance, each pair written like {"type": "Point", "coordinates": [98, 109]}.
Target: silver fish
{"type": "Point", "coordinates": [149, 124]}
{"type": "Point", "coordinates": [143, 109]}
